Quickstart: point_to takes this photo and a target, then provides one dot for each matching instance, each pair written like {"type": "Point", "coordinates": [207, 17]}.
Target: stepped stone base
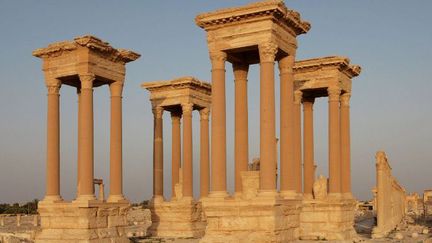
{"type": "Point", "coordinates": [178, 218]}
{"type": "Point", "coordinates": [259, 219]}
{"type": "Point", "coordinates": [327, 219]}
{"type": "Point", "coordinates": [90, 221]}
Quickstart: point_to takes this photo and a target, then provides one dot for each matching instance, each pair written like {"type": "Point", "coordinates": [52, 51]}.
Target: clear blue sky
{"type": "Point", "coordinates": [390, 108]}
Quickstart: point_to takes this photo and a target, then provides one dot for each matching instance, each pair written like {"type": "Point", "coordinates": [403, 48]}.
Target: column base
{"type": "Point", "coordinates": [157, 199]}
{"type": "Point", "coordinates": [117, 198]}
{"type": "Point", "coordinates": [290, 194]}
{"type": "Point", "coordinates": [218, 194]}
{"type": "Point", "coordinates": [52, 199]}
{"type": "Point", "coordinates": [268, 193]}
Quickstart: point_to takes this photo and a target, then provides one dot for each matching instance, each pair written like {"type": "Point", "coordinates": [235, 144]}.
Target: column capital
{"type": "Point", "coordinates": [204, 113]}
{"type": "Point", "coordinates": [116, 89]}
{"type": "Point", "coordinates": [267, 51]}
{"type": "Point", "coordinates": [240, 71]}
{"type": "Point", "coordinates": [298, 97]}
{"type": "Point", "coordinates": [333, 94]}
{"type": "Point", "coordinates": [286, 64]}
{"type": "Point", "coordinates": [345, 99]}
{"type": "Point", "coordinates": [87, 80]}
{"type": "Point", "coordinates": [54, 89]}
{"type": "Point", "coordinates": [187, 109]}
{"type": "Point", "coordinates": [158, 111]}
{"type": "Point", "coordinates": [218, 59]}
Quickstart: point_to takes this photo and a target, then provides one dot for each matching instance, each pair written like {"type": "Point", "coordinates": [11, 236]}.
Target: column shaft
{"type": "Point", "coordinates": [218, 125]}
{"type": "Point", "coordinates": [334, 140]}
{"type": "Point", "coordinates": [308, 144]}
{"type": "Point", "coordinates": [345, 144]}
{"type": "Point", "coordinates": [187, 150]}
{"type": "Point", "coordinates": [241, 147]}
{"type": "Point", "coordinates": [116, 160]}
{"type": "Point", "coordinates": [53, 143]}
{"type": "Point", "coordinates": [287, 163]}
{"type": "Point", "coordinates": [297, 142]}
{"type": "Point", "coordinates": [268, 160]}
{"type": "Point", "coordinates": [204, 153]}
{"type": "Point", "coordinates": [158, 153]}
{"type": "Point", "coordinates": [85, 139]}
{"type": "Point", "coordinates": [176, 150]}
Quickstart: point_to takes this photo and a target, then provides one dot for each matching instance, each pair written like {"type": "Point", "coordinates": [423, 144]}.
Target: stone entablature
{"type": "Point", "coordinates": [390, 198]}
{"type": "Point", "coordinates": [314, 76]}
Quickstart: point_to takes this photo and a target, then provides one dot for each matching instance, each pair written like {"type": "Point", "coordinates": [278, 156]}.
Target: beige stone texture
{"type": "Point", "coordinates": [177, 218]}
{"type": "Point", "coordinates": [412, 203]}
{"type": "Point", "coordinates": [390, 198]}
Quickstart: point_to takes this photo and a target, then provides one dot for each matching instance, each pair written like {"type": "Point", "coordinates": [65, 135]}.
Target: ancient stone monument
{"type": "Point", "coordinates": [182, 215]}
{"type": "Point", "coordinates": [390, 198]}
{"type": "Point", "coordinates": [259, 33]}
{"type": "Point", "coordinates": [84, 63]}
{"type": "Point", "coordinates": [326, 217]}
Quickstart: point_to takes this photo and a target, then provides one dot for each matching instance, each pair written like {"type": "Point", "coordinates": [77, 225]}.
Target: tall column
{"type": "Point", "coordinates": [241, 147]}
{"type": "Point", "coordinates": [345, 144]}
{"type": "Point", "coordinates": [334, 140]}
{"type": "Point", "coordinates": [308, 146]}
{"type": "Point", "coordinates": [78, 149]}
{"type": "Point", "coordinates": [53, 142]}
{"type": "Point", "coordinates": [287, 162]}
{"type": "Point", "coordinates": [116, 158]}
{"type": "Point", "coordinates": [297, 142]}
{"type": "Point", "coordinates": [176, 150]}
{"type": "Point", "coordinates": [267, 52]}
{"type": "Point", "coordinates": [158, 153]}
{"type": "Point", "coordinates": [204, 152]}
{"type": "Point", "coordinates": [85, 138]}
{"type": "Point", "coordinates": [187, 150]}
{"type": "Point", "coordinates": [218, 125]}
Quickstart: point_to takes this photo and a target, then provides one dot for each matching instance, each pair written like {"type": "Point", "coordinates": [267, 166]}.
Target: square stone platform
{"type": "Point", "coordinates": [261, 219]}
{"type": "Point", "coordinates": [182, 218]}
{"type": "Point", "coordinates": [327, 219]}
{"type": "Point", "coordinates": [91, 221]}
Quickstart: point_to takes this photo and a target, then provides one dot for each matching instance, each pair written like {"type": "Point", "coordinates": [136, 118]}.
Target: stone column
{"type": "Point", "coordinates": [53, 142]}
{"type": "Point", "coordinates": [297, 142]}
{"type": "Point", "coordinates": [204, 152]}
{"type": "Point", "coordinates": [187, 109]}
{"type": "Point", "coordinates": [85, 138]}
{"type": "Point", "coordinates": [218, 125]}
{"type": "Point", "coordinates": [345, 144]}
{"type": "Point", "coordinates": [116, 160]}
{"type": "Point", "coordinates": [176, 150]}
{"type": "Point", "coordinates": [308, 145]}
{"type": "Point", "coordinates": [287, 183]}
{"type": "Point", "coordinates": [241, 144]}
{"type": "Point", "coordinates": [158, 153]}
{"type": "Point", "coordinates": [267, 52]}
{"type": "Point", "coordinates": [78, 149]}
{"type": "Point", "coordinates": [334, 140]}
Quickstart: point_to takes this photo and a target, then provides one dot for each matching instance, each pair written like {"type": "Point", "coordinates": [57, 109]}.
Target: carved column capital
{"type": "Point", "coordinates": [218, 59]}
{"type": "Point", "coordinates": [187, 109]}
{"type": "Point", "coordinates": [345, 99]}
{"type": "Point", "coordinates": [205, 114]}
{"type": "Point", "coordinates": [267, 51]}
{"type": "Point", "coordinates": [87, 80]}
{"type": "Point", "coordinates": [240, 71]}
{"type": "Point", "coordinates": [286, 64]}
{"type": "Point", "coordinates": [297, 97]}
{"type": "Point", "coordinates": [53, 86]}
{"type": "Point", "coordinates": [116, 89]}
{"type": "Point", "coordinates": [334, 94]}
{"type": "Point", "coordinates": [158, 112]}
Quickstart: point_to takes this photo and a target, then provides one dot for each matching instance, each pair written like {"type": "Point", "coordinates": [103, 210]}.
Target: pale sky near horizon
{"type": "Point", "coordinates": [390, 106]}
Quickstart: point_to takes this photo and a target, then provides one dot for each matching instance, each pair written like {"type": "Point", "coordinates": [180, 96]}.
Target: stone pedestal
{"type": "Point", "coordinates": [92, 221]}
{"type": "Point", "coordinates": [327, 219]}
{"type": "Point", "coordinates": [180, 218]}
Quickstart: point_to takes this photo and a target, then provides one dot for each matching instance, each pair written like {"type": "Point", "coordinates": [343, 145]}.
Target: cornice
{"type": "Point", "coordinates": [91, 42]}
{"type": "Point", "coordinates": [178, 83]}
{"type": "Point", "coordinates": [339, 62]}
{"type": "Point", "coordinates": [271, 8]}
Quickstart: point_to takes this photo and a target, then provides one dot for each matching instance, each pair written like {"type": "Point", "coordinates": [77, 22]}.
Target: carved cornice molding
{"type": "Point", "coordinates": [339, 62]}
{"type": "Point", "coordinates": [93, 43]}
{"type": "Point", "coordinates": [178, 83]}
{"type": "Point", "coordinates": [272, 8]}
{"type": "Point", "coordinates": [267, 51]}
